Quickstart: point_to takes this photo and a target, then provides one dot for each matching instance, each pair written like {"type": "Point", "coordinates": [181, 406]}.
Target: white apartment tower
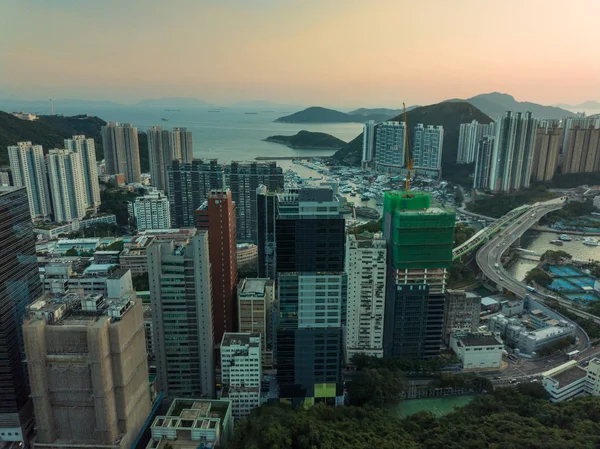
{"type": "Point", "coordinates": [366, 267]}
{"type": "Point", "coordinates": [468, 140]}
{"type": "Point", "coordinates": [87, 149]}
{"type": "Point", "coordinates": [241, 371]}
{"type": "Point", "coordinates": [29, 170]}
{"type": "Point", "coordinates": [67, 185]}
{"type": "Point", "coordinates": [389, 147]}
{"type": "Point", "coordinates": [180, 295]}
{"type": "Point", "coordinates": [427, 149]}
{"type": "Point", "coordinates": [368, 143]}
{"type": "Point", "coordinates": [150, 211]}
{"type": "Point", "coordinates": [121, 151]}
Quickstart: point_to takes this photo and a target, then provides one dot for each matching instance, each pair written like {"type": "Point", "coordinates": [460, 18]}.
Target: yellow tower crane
{"type": "Point", "coordinates": [410, 162]}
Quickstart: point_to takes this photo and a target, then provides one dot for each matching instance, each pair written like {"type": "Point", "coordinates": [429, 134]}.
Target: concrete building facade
{"type": "Point", "coordinates": [366, 266]}
{"type": "Point", "coordinates": [462, 313]}
{"type": "Point", "coordinates": [28, 168]}
{"type": "Point", "coordinates": [241, 371]}
{"type": "Point", "coordinates": [88, 371]}
{"type": "Point", "coordinates": [151, 211]}
{"type": "Point", "coordinates": [477, 351]}
{"type": "Point", "coordinates": [368, 143]}
{"type": "Point", "coordinates": [165, 146]}
{"type": "Point", "coordinates": [121, 151]}
{"type": "Point", "coordinates": [67, 185]}
{"type": "Point", "coordinates": [182, 318]}
{"type": "Point", "coordinates": [483, 163]}
{"type": "Point", "coordinates": [390, 156]}
{"type": "Point", "coordinates": [428, 144]}
{"type": "Point", "coordinates": [87, 149]}
{"type": "Point", "coordinates": [582, 151]}
{"type": "Point", "coordinates": [468, 140]}
{"type": "Point", "coordinates": [547, 150]}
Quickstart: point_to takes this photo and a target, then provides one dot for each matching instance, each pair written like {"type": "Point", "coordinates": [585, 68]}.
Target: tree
{"type": "Point", "coordinates": [555, 257]}
{"type": "Point", "coordinates": [538, 276]}
{"type": "Point", "coordinates": [375, 386]}
{"type": "Point", "coordinates": [462, 233]}
{"type": "Point", "coordinates": [71, 252]}
{"type": "Point", "coordinates": [141, 282]}
{"type": "Point", "coordinates": [458, 196]}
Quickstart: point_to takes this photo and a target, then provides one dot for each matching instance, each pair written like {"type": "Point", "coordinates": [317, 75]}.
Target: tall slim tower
{"type": "Point", "coordinates": [389, 147]}
{"type": "Point", "coordinates": [266, 207]}
{"type": "Point", "coordinates": [121, 150]}
{"type": "Point", "coordinates": [366, 267]}
{"type": "Point", "coordinates": [19, 286]}
{"type": "Point", "coordinates": [243, 179]}
{"type": "Point", "coordinates": [160, 156]}
{"type": "Point", "coordinates": [67, 185]}
{"type": "Point", "coordinates": [181, 300]}
{"type": "Point", "coordinates": [217, 217]}
{"type": "Point", "coordinates": [419, 239]}
{"type": "Point", "coordinates": [513, 152]}
{"type": "Point", "coordinates": [87, 149]}
{"type": "Point", "coordinates": [547, 149]}
{"type": "Point", "coordinates": [181, 141]}
{"type": "Point", "coordinates": [427, 148]}
{"type": "Point", "coordinates": [368, 143]}
{"type": "Point", "coordinates": [312, 290]}
{"type": "Point", "coordinates": [483, 163]}
{"type": "Point", "coordinates": [29, 170]}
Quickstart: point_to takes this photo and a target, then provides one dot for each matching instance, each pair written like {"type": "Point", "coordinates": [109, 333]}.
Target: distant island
{"type": "Point", "coordinates": [307, 140]}
{"type": "Point", "coordinates": [317, 114]}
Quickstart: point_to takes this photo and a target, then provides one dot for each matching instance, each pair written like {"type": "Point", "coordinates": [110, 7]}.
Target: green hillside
{"type": "Point", "coordinates": [448, 114]}
{"type": "Point", "coordinates": [51, 130]}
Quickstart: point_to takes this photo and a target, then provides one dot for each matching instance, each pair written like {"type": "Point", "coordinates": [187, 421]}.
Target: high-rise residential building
{"type": "Point", "coordinates": [121, 150]}
{"type": "Point", "coordinates": [513, 152]}
{"type": "Point", "coordinates": [368, 143]}
{"type": "Point", "coordinates": [165, 146]}
{"type": "Point", "coordinates": [468, 140]}
{"type": "Point", "coordinates": [19, 286]}
{"type": "Point", "coordinates": [266, 207]}
{"type": "Point", "coordinates": [67, 185]}
{"type": "Point", "coordinates": [88, 371]}
{"type": "Point", "coordinates": [87, 149]}
{"type": "Point", "coordinates": [151, 211]}
{"type": "Point", "coordinates": [29, 170]}
{"type": "Point", "coordinates": [419, 239]}
{"type": "Point", "coordinates": [546, 153]}
{"type": "Point", "coordinates": [243, 179]}
{"type": "Point", "coordinates": [189, 185]}
{"type": "Point", "coordinates": [255, 312]}
{"type": "Point", "coordinates": [366, 267]}
{"type": "Point", "coordinates": [390, 156]}
{"type": "Point", "coordinates": [180, 294]}
{"type": "Point", "coordinates": [217, 217]}
{"type": "Point", "coordinates": [241, 371]}
{"type": "Point", "coordinates": [483, 162]}
{"type": "Point", "coordinates": [577, 122]}
{"type": "Point", "coordinates": [462, 313]}
{"type": "Point", "coordinates": [312, 290]}
{"type": "Point", "coordinates": [428, 144]}
{"type": "Point", "coordinates": [582, 153]}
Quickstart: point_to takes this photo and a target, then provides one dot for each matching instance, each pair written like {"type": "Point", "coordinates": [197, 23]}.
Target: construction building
{"type": "Point", "coordinates": [366, 266]}
{"type": "Point", "coordinates": [182, 319]}
{"type": "Point", "coordinates": [193, 423]}
{"type": "Point", "coordinates": [87, 370]}
{"type": "Point", "coordinates": [255, 313]}
{"type": "Point", "coordinates": [241, 371]}
{"type": "Point", "coordinates": [419, 239]}
{"type": "Point", "coordinates": [462, 313]}
{"type": "Point", "coordinates": [19, 286]}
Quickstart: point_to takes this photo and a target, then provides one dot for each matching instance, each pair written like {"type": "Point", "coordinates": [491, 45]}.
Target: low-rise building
{"type": "Point", "coordinates": [566, 381]}
{"type": "Point", "coordinates": [193, 423]}
{"type": "Point", "coordinates": [462, 313]}
{"type": "Point", "coordinates": [50, 232]}
{"type": "Point", "coordinates": [512, 307]}
{"type": "Point", "coordinates": [106, 257]}
{"type": "Point", "coordinates": [241, 372]}
{"type": "Point", "coordinates": [477, 351]}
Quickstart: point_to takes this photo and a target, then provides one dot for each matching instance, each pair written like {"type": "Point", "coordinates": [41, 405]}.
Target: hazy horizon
{"type": "Point", "coordinates": [335, 53]}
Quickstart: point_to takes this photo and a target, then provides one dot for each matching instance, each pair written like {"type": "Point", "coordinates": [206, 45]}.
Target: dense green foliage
{"type": "Point", "coordinates": [589, 326]}
{"type": "Point", "coordinates": [308, 140]}
{"type": "Point", "coordinates": [114, 246]}
{"type": "Point", "coordinates": [569, 211]}
{"type": "Point", "coordinates": [363, 361]}
{"type": "Point", "coordinates": [498, 205]}
{"type": "Point", "coordinates": [97, 230]}
{"type": "Point", "coordinates": [509, 418]}
{"type": "Point", "coordinates": [372, 227]}
{"type": "Point", "coordinates": [556, 346]}
{"type": "Point", "coordinates": [375, 386]}
{"type": "Point", "coordinates": [538, 276]}
{"type": "Point", "coordinates": [555, 257]}
{"type": "Point", "coordinates": [114, 201]}
{"type": "Point", "coordinates": [460, 274]}
{"type": "Point", "coordinates": [462, 233]}
{"type": "Point", "coordinates": [449, 115]}
{"type": "Point", "coordinates": [141, 282]}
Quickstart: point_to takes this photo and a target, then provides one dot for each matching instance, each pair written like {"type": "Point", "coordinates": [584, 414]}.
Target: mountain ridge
{"type": "Point", "coordinates": [308, 140]}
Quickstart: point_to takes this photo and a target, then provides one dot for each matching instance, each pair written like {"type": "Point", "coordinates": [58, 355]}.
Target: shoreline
{"type": "Point", "coordinates": [287, 158]}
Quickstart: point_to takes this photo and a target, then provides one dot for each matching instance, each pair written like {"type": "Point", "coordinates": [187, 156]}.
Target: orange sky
{"type": "Point", "coordinates": [326, 52]}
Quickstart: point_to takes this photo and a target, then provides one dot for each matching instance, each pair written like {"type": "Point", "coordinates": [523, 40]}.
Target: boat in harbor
{"type": "Point", "coordinates": [557, 242]}
{"type": "Point", "coordinates": [165, 119]}
{"type": "Point", "coordinates": [365, 198]}
{"type": "Point", "coordinates": [590, 241]}
{"type": "Point", "coordinates": [565, 238]}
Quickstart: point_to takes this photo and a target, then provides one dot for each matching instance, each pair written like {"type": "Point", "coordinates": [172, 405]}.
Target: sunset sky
{"type": "Point", "coordinates": [329, 52]}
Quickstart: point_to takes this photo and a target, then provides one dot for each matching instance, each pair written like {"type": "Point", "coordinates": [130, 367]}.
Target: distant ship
{"type": "Point", "coordinates": [165, 119]}
{"type": "Point", "coordinates": [172, 110]}
{"type": "Point", "coordinates": [251, 113]}
{"type": "Point", "coordinates": [590, 241]}
{"type": "Point", "coordinates": [557, 242]}
{"type": "Point", "coordinates": [565, 238]}
{"type": "Point", "coordinates": [214, 110]}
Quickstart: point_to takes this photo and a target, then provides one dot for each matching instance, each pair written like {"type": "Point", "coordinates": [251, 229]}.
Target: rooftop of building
{"type": "Point", "coordinates": [118, 273]}
{"type": "Point", "coordinates": [240, 339]}
{"type": "Point", "coordinates": [254, 286]}
{"type": "Point", "coordinates": [99, 267]}
{"type": "Point", "coordinates": [107, 253]}
{"type": "Point", "coordinates": [196, 409]}
{"type": "Point", "coordinates": [569, 375]}
{"type": "Point", "coordinates": [479, 340]}
{"type": "Point", "coordinates": [246, 247]}
{"type": "Point", "coordinates": [546, 332]}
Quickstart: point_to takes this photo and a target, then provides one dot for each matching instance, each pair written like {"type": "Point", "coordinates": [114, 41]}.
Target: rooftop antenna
{"type": "Point", "coordinates": [51, 107]}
